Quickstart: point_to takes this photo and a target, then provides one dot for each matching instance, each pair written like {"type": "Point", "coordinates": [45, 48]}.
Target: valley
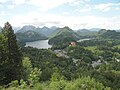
{"type": "Point", "coordinates": [62, 58]}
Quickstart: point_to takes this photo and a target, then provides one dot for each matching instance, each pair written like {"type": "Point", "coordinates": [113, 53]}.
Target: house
{"type": "Point", "coordinates": [72, 44]}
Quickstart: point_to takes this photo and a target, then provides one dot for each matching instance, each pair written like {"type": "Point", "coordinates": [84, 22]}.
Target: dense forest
{"type": "Point", "coordinates": [87, 65]}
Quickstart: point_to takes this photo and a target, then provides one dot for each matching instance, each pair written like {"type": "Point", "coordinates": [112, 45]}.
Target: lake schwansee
{"type": "Point", "coordinates": [40, 44]}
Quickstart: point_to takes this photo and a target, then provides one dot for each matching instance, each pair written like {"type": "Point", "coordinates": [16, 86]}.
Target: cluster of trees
{"type": "Point", "coordinates": [100, 42]}
{"type": "Point", "coordinates": [57, 82]}
{"type": "Point", "coordinates": [47, 61]}
{"type": "Point", "coordinates": [80, 53]}
{"type": "Point", "coordinates": [10, 56]}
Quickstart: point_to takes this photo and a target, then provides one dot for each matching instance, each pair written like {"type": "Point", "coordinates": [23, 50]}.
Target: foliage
{"type": "Point", "coordinates": [108, 78]}
{"type": "Point", "coordinates": [79, 52]}
{"type": "Point", "coordinates": [27, 68]}
{"type": "Point", "coordinates": [34, 76]}
{"type": "Point", "coordinates": [78, 84]}
{"type": "Point", "coordinates": [3, 58]}
{"type": "Point", "coordinates": [47, 60]}
{"type": "Point", "coordinates": [12, 62]}
{"type": "Point", "coordinates": [85, 83]}
{"type": "Point", "coordinates": [57, 82]}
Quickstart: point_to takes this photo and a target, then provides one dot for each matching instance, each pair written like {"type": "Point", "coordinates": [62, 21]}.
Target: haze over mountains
{"type": "Point", "coordinates": [44, 30]}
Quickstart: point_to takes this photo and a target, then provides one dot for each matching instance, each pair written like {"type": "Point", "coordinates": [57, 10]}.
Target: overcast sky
{"type": "Point", "coordinates": [73, 13]}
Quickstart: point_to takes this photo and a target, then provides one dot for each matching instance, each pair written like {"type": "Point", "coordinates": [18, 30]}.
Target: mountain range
{"type": "Point", "coordinates": [60, 35]}
{"type": "Point", "coordinates": [44, 30]}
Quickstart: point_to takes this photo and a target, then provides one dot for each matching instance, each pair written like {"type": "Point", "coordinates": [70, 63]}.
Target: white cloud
{"type": "Point", "coordinates": [82, 10]}
{"type": "Point", "coordinates": [35, 19]}
{"type": "Point", "coordinates": [39, 19]}
{"type": "Point", "coordinates": [66, 13]}
{"type": "Point", "coordinates": [86, 8]}
{"type": "Point", "coordinates": [106, 6]}
{"type": "Point", "coordinates": [3, 1]}
{"type": "Point", "coordinates": [78, 2]}
{"type": "Point", "coordinates": [18, 2]}
{"type": "Point", "coordinates": [117, 8]}
{"type": "Point", "coordinates": [44, 5]}
{"type": "Point", "coordinates": [2, 13]}
{"type": "Point", "coordinates": [103, 6]}
{"type": "Point", "coordinates": [11, 6]}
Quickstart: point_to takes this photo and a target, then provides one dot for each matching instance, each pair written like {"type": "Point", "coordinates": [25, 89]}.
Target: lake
{"type": "Point", "coordinates": [85, 39]}
{"type": "Point", "coordinates": [40, 44]}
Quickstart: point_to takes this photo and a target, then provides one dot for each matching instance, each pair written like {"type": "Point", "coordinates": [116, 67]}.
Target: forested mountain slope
{"type": "Point", "coordinates": [30, 36]}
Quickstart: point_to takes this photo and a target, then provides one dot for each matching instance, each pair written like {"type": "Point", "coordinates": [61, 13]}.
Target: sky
{"type": "Point", "coordinates": [76, 14]}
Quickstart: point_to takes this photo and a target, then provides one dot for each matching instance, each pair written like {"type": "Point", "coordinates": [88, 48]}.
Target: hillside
{"type": "Point", "coordinates": [109, 34]}
{"type": "Point", "coordinates": [63, 35]}
{"type": "Point", "coordinates": [87, 33]}
{"type": "Point", "coordinates": [30, 36]}
{"type": "Point", "coordinates": [102, 31]}
{"type": "Point", "coordinates": [45, 30]}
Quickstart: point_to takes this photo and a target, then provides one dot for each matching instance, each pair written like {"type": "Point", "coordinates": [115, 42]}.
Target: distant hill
{"type": "Point", "coordinates": [30, 36]}
{"type": "Point", "coordinates": [117, 30]}
{"type": "Point", "coordinates": [102, 31]}
{"type": "Point", "coordinates": [94, 29]}
{"type": "Point", "coordinates": [45, 30]}
{"type": "Point", "coordinates": [54, 27]}
{"type": "Point", "coordinates": [63, 35]}
{"type": "Point", "coordinates": [87, 33]}
{"type": "Point", "coordinates": [110, 34]}
{"type": "Point", "coordinates": [26, 28]}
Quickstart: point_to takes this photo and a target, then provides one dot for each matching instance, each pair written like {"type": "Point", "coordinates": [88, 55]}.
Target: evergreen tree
{"type": "Point", "coordinates": [3, 58]}
{"type": "Point", "coordinates": [14, 61]}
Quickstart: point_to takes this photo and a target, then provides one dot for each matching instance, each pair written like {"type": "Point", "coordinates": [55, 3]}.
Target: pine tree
{"type": "Point", "coordinates": [14, 62]}
{"type": "Point", "coordinates": [3, 58]}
